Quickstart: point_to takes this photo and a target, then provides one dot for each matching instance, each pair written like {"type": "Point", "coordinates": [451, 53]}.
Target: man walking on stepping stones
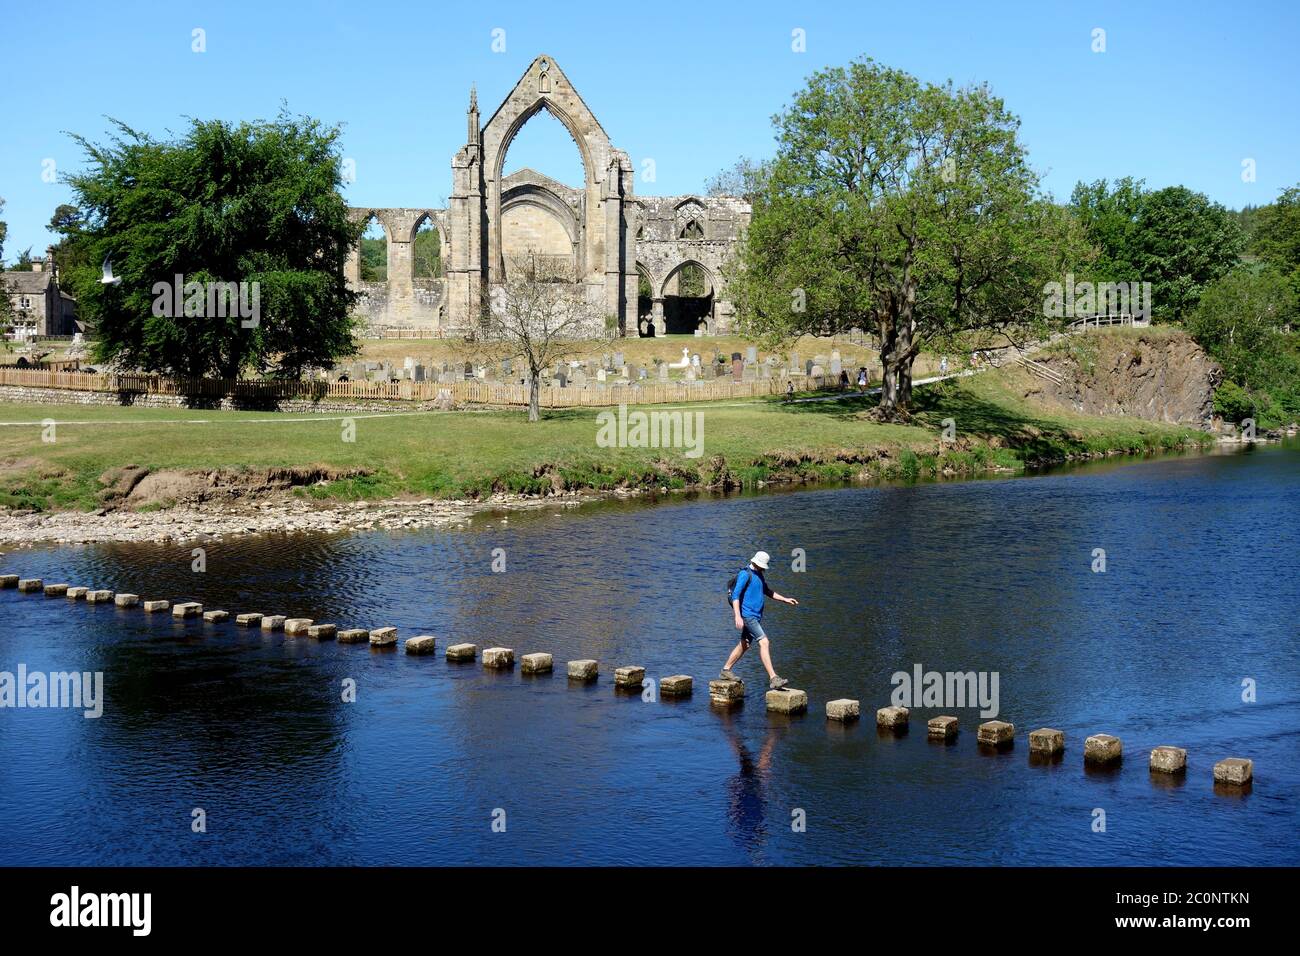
{"type": "Point", "coordinates": [746, 599]}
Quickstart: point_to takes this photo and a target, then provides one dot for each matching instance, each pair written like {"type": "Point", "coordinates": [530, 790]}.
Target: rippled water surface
{"type": "Point", "coordinates": [1202, 590]}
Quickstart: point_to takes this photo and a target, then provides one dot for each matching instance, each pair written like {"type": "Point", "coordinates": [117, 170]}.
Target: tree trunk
{"type": "Point", "coordinates": [534, 395]}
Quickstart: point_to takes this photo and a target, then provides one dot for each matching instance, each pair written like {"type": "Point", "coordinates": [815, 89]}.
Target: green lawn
{"type": "Point", "coordinates": [466, 454]}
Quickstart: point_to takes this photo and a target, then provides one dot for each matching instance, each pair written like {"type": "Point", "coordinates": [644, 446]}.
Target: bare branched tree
{"type": "Point", "coordinates": [539, 315]}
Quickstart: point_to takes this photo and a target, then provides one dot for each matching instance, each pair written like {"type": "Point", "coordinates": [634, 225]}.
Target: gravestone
{"type": "Point", "coordinates": [737, 367]}
{"type": "Point", "coordinates": [663, 371]}
{"type": "Point", "coordinates": [751, 355]}
{"type": "Point", "coordinates": [468, 371]}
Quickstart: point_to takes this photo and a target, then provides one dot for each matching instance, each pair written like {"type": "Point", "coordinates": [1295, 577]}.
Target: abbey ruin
{"type": "Point", "coordinates": [651, 265]}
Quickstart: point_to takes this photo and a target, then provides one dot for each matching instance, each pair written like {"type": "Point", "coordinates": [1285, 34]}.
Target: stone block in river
{"type": "Point", "coordinates": [248, 620]}
{"type": "Point", "coordinates": [1234, 771]}
{"type": "Point", "coordinates": [126, 600]}
{"type": "Point", "coordinates": [354, 635]}
{"type": "Point", "coordinates": [99, 597]}
{"type": "Point", "coordinates": [894, 718]}
{"type": "Point", "coordinates": [187, 609]}
{"type": "Point", "coordinates": [30, 585]}
{"type": "Point", "coordinates": [1168, 760]}
{"type": "Point", "coordinates": [273, 622]}
{"type": "Point", "coordinates": [216, 617]}
{"type": "Point", "coordinates": [424, 644]}
{"type": "Point", "coordinates": [462, 652]}
{"type": "Point", "coordinates": [1102, 748]}
{"type": "Point", "coordinates": [297, 626]}
{"type": "Point", "coordinates": [537, 663]}
{"type": "Point", "coordinates": [678, 685]}
{"type": "Point", "coordinates": [152, 607]}
{"type": "Point", "coordinates": [498, 658]}
{"type": "Point", "coordinates": [323, 632]}
{"type": "Point", "coordinates": [76, 594]}
{"type": "Point", "coordinates": [995, 733]}
{"type": "Point", "coordinates": [383, 637]}
{"type": "Point", "coordinates": [1046, 741]}
{"type": "Point", "coordinates": [726, 693]}
{"type": "Point", "coordinates": [629, 677]}
{"type": "Point", "coordinates": [56, 590]}
{"type": "Point", "coordinates": [942, 728]}
{"type": "Point", "coordinates": [583, 670]}
{"type": "Point", "coordinates": [8, 580]}
{"type": "Point", "coordinates": [787, 701]}
{"type": "Point", "coordinates": [844, 709]}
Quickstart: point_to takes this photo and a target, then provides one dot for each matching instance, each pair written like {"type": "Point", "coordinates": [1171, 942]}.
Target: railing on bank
{"type": "Point", "coordinates": [470, 392]}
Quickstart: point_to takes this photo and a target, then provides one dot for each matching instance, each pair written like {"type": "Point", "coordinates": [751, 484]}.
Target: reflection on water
{"type": "Point", "coordinates": [1201, 591]}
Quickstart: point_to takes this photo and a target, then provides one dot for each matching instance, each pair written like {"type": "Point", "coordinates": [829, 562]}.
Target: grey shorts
{"type": "Point", "coordinates": [752, 631]}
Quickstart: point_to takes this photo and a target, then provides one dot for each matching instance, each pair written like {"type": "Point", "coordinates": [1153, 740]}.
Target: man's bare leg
{"type": "Point", "coordinates": [766, 656]}
{"type": "Point", "coordinates": [737, 653]}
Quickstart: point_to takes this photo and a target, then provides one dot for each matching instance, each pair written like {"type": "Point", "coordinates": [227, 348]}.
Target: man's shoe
{"type": "Point", "coordinates": [777, 683]}
{"type": "Point", "coordinates": [727, 675]}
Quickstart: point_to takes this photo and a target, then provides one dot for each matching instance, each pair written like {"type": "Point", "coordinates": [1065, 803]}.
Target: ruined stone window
{"type": "Point", "coordinates": [692, 230]}
{"type": "Point", "coordinates": [374, 252]}
{"type": "Point", "coordinates": [426, 252]}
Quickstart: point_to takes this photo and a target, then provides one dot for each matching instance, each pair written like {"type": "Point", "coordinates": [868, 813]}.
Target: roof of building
{"type": "Point", "coordinates": [27, 283]}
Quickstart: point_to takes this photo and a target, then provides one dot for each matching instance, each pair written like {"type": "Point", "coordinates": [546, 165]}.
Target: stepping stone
{"type": "Point", "coordinates": [537, 663]}
{"type": "Point", "coordinates": [273, 622]}
{"type": "Point", "coordinates": [152, 607]}
{"type": "Point", "coordinates": [99, 597]}
{"type": "Point", "coordinates": [845, 710]}
{"type": "Point", "coordinates": [942, 728]}
{"type": "Point", "coordinates": [187, 609]}
{"type": "Point", "coordinates": [383, 637]}
{"type": "Point", "coordinates": [297, 626]}
{"type": "Point", "coordinates": [629, 677]}
{"type": "Point", "coordinates": [1168, 760]}
{"type": "Point", "coordinates": [787, 701]}
{"type": "Point", "coordinates": [1102, 748]}
{"type": "Point", "coordinates": [1234, 771]}
{"type": "Point", "coordinates": [323, 632]}
{"type": "Point", "coordinates": [1046, 741]}
{"type": "Point", "coordinates": [127, 600]}
{"type": "Point", "coordinates": [248, 620]}
{"type": "Point", "coordinates": [995, 733]}
{"type": "Point", "coordinates": [354, 635]}
{"type": "Point", "coordinates": [216, 617]}
{"type": "Point", "coordinates": [583, 670]}
{"type": "Point", "coordinates": [498, 658]}
{"type": "Point", "coordinates": [56, 590]}
{"type": "Point", "coordinates": [678, 685]}
{"type": "Point", "coordinates": [726, 693]}
{"type": "Point", "coordinates": [77, 594]}
{"type": "Point", "coordinates": [462, 652]}
{"type": "Point", "coordinates": [8, 580]}
{"type": "Point", "coordinates": [892, 718]}
{"type": "Point", "coordinates": [424, 644]}
{"type": "Point", "coordinates": [30, 585]}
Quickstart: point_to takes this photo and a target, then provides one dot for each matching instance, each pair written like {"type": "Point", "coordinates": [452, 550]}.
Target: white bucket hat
{"type": "Point", "coordinates": [760, 559]}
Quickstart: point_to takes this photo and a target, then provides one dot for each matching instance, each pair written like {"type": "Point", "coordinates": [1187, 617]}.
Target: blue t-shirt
{"type": "Point", "coordinates": [751, 587]}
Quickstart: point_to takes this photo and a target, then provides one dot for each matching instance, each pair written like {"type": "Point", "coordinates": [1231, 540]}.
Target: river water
{"type": "Point", "coordinates": [438, 763]}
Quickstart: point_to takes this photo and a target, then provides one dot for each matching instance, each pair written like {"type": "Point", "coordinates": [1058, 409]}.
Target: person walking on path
{"type": "Point", "coordinates": [747, 598]}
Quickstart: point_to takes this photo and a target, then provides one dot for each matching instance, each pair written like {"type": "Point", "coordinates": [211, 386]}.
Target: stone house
{"type": "Point", "coordinates": [39, 305]}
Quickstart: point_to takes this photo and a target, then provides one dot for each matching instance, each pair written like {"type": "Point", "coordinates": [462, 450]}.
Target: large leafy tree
{"type": "Point", "coordinates": [1174, 238]}
{"type": "Point", "coordinates": [904, 209]}
{"type": "Point", "coordinates": [254, 202]}
{"type": "Point", "coordinates": [1277, 237]}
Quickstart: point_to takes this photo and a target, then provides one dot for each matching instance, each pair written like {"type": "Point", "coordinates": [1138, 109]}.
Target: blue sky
{"type": "Point", "coordinates": [1183, 93]}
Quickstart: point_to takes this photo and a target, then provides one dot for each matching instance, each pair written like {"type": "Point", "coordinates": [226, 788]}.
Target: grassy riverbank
{"type": "Point", "coordinates": [473, 454]}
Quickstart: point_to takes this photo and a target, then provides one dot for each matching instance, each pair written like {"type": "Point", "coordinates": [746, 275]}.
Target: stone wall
{"type": "Point", "coordinates": [60, 396]}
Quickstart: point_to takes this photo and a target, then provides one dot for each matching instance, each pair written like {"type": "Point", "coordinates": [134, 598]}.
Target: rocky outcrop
{"type": "Point", "coordinates": [1157, 375]}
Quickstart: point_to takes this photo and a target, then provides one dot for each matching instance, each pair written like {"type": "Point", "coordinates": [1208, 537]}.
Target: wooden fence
{"type": "Point", "coordinates": [470, 392]}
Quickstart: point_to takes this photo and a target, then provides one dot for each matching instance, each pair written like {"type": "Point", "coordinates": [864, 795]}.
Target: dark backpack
{"type": "Point", "coordinates": [731, 584]}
